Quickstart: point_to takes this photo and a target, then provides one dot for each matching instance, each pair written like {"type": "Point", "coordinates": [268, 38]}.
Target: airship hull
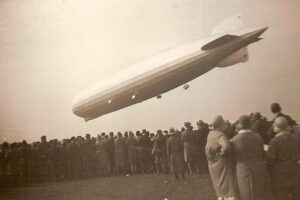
{"type": "Point", "coordinates": [170, 73]}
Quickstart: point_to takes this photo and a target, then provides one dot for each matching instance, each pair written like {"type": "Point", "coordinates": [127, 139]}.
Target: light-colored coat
{"type": "Point", "coordinates": [251, 169]}
{"type": "Point", "coordinates": [132, 150]}
{"type": "Point", "coordinates": [220, 167]}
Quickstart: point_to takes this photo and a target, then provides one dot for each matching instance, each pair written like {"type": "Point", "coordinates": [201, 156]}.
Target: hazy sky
{"type": "Point", "coordinates": [50, 50]}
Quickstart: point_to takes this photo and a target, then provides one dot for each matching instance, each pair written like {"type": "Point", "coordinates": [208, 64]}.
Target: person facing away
{"type": "Point", "coordinates": [158, 151]}
{"type": "Point", "coordinates": [132, 152]}
{"type": "Point", "coordinates": [251, 169]}
{"type": "Point", "coordinates": [120, 146]}
{"type": "Point", "coordinates": [189, 144]}
{"type": "Point", "coordinates": [220, 167]}
{"type": "Point", "coordinates": [283, 154]}
{"type": "Point", "coordinates": [175, 154]}
{"type": "Point", "coordinates": [277, 111]}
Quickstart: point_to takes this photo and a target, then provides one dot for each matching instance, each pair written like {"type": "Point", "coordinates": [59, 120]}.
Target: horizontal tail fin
{"type": "Point", "coordinates": [219, 42]}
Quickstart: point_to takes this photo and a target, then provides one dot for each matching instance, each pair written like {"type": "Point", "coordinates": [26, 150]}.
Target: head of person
{"type": "Point", "coordinates": [281, 124]}
{"type": "Point", "coordinates": [199, 124]}
{"type": "Point", "coordinates": [188, 125]}
{"type": "Point", "coordinates": [131, 133]}
{"type": "Point", "coordinates": [111, 134]}
{"type": "Point", "coordinates": [257, 116]}
{"type": "Point", "coordinates": [99, 137]}
{"type": "Point", "coordinates": [44, 138]}
{"type": "Point", "coordinates": [138, 133]}
{"type": "Point", "coordinates": [119, 134]}
{"type": "Point", "coordinates": [4, 146]}
{"type": "Point", "coordinates": [159, 132]}
{"type": "Point", "coordinates": [275, 108]}
{"type": "Point", "coordinates": [244, 122]}
{"type": "Point", "coordinates": [172, 130]}
{"type": "Point", "coordinates": [87, 136]}
{"type": "Point", "coordinates": [218, 123]}
{"type": "Point", "coordinates": [126, 134]}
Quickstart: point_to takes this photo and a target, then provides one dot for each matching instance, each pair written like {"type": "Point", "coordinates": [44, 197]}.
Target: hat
{"type": "Point", "coordinates": [200, 122]}
{"type": "Point", "coordinates": [244, 122]}
{"type": "Point", "coordinates": [257, 115]}
{"type": "Point", "coordinates": [218, 122]}
{"type": "Point", "coordinates": [187, 124]}
{"type": "Point", "coordinates": [172, 130]}
{"type": "Point", "coordinates": [281, 123]}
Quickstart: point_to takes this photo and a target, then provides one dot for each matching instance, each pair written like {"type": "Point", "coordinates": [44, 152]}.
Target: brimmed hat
{"type": "Point", "coordinates": [171, 130]}
{"type": "Point", "coordinates": [187, 124]}
{"type": "Point", "coordinates": [281, 123]}
{"type": "Point", "coordinates": [218, 122]}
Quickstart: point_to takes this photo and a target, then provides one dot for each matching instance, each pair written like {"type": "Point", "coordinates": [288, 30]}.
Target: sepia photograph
{"type": "Point", "coordinates": [149, 100]}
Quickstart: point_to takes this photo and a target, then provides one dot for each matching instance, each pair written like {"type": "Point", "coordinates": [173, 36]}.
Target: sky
{"type": "Point", "coordinates": [52, 50]}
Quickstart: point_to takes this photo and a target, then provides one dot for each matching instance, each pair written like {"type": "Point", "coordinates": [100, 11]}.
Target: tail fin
{"type": "Point", "coordinates": [232, 23]}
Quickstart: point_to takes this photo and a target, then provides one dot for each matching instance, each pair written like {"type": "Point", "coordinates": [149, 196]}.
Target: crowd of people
{"type": "Point", "coordinates": [232, 153]}
{"type": "Point", "coordinates": [243, 167]}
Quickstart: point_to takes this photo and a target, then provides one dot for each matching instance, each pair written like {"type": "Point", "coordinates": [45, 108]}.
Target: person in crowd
{"type": "Point", "coordinates": [42, 159]}
{"type": "Point", "coordinates": [218, 153]}
{"type": "Point", "coordinates": [24, 161]}
{"type": "Point", "coordinates": [74, 155]}
{"type": "Point", "coordinates": [101, 157]}
{"type": "Point", "coordinates": [276, 110]}
{"type": "Point", "coordinates": [110, 145]}
{"type": "Point", "coordinates": [251, 169]}
{"type": "Point", "coordinates": [57, 156]}
{"type": "Point", "coordinates": [12, 158]}
{"type": "Point", "coordinates": [175, 154]}
{"type": "Point", "coordinates": [283, 154]}
{"type": "Point", "coordinates": [3, 164]}
{"type": "Point", "coordinates": [158, 152]}
{"type": "Point", "coordinates": [148, 151]}
{"type": "Point", "coordinates": [188, 139]}
{"type": "Point", "coordinates": [260, 125]}
{"type": "Point", "coordinates": [202, 134]}
{"type": "Point", "coordinates": [120, 145]}
{"type": "Point", "coordinates": [132, 152]}
{"type": "Point", "coordinates": [88, 150]}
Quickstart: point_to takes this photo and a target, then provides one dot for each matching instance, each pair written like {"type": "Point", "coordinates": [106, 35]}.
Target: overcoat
{"type": "Point", "coordinates": [282, 155]}
{"type": "Point", "coordinates": [120, 147]}
{"type": "Point", "coordinates": [220, 167]}
{"type": "Point", "coordinates": [189, 144]}
{"type": "Point", "coordinates": [101, 154]}
{"type": "Point", "coordinates": [175, 154]}
{"type": "Point", "coordinates": [251, 169]}
{"type": "Point", "coordinates": [132, 150]}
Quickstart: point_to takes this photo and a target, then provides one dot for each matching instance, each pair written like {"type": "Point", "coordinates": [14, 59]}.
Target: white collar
{"type": "Point", "coordinates": [244, 131]}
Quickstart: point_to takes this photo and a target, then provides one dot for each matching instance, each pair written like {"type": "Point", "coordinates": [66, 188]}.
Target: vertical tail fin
{"type": "Point", "coordinates": [232, 23]}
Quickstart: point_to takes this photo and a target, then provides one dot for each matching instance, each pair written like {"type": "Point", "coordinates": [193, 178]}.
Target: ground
{"type": "Point", "coordinates": [131, 187]}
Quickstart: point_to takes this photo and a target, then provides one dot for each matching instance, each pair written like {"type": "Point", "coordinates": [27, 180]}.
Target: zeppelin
{"type": "Point", "coordinates": [226, 46]}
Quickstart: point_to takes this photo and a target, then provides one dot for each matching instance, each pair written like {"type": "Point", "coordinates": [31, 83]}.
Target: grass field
{"type": "Point", "coordinates": [146, 187]}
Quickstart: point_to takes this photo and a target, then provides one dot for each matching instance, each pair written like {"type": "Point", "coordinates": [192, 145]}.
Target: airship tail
{"type": "Point", "coordinates": [232, 23]}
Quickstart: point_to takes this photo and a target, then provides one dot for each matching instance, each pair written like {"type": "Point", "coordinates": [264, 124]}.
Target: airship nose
{"type": "Point", "coordinates": [75, 105]}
